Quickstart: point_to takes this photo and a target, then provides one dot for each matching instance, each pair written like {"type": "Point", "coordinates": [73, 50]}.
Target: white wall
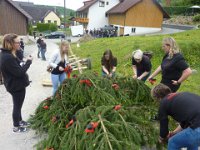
{"type": "Point", "coordinates": [140, 30]}
{"type": "Point", "coordinates": [53, 17]}
{"type": "Point", "coordinates": [97, 15]}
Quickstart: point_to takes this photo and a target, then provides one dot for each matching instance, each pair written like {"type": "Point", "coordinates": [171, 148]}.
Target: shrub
{"type": "Point", "coordinates": [43, 27]}
{"type": "Point", "coordinates": [196, 18]}
{"type": "Point", "coordinates": [53, 27]}
{"type": "Point", "coordinates": [175, 10]}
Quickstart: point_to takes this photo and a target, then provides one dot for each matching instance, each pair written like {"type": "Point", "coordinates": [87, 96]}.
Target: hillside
{"type": "Point", "coordinates": [60, 10]}
{"type": "Point", "coordinates": [122, 48]}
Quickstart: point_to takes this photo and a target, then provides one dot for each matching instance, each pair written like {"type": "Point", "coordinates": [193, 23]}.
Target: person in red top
{"type": "Point", "coordinates": [184, 108]}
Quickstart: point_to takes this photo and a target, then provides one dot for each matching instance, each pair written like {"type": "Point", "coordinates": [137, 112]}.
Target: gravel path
{"type": "Point", "coordinates": [34, 95]}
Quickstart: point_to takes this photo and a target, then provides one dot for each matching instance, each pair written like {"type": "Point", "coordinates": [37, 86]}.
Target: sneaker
{"type": "Point", "coordinates": [24, 124]}
{"type": "Point", "coordinates": [19, 129]}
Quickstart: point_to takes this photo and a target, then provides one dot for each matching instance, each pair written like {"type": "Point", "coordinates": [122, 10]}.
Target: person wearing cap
{"type": "Point", "coordinates": [184, 108]}
{"type": "Point", "coordinates": [174, 68]}
{"type": "Point", "coordinates": [141, 65]}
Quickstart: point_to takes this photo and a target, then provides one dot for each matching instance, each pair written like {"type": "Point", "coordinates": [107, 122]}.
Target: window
{"type": "Point", "coordinates": [55, 22]}
{"type": "Point", "coordinates": [133, 30]}
{"type": "Point", "coordinates": [101, 3]}
{"type": "Point", "coordinates": [49, 21]}
{"type": "Point", "coordinates": [107, 3]}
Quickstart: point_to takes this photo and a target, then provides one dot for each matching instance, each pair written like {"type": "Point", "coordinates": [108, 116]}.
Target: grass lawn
{"type": "Point", "coordinates": [122, 48]}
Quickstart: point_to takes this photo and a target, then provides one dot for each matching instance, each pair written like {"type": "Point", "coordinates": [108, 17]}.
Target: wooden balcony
{"type": "Point", "coordinates": [82, 20]}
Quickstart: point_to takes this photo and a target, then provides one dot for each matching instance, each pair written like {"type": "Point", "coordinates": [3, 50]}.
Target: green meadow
{"type": "Point", "coordinates": [122, 48]}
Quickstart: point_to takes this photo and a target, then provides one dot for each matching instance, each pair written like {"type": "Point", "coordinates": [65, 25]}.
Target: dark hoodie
{"type": "Point", "coordinates": [15, 77]}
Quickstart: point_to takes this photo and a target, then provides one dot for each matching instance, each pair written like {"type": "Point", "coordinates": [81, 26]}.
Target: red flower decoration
{"type": "Point", "coordinates": [75, 76]}
{"type": "Point", "coordinates": [115, 86]}
{"type": "Point", "coordinates": [71, 122]}
{"type": "Point", "coordinates": [86, 82]}
{"type": "Point", "coordinates": [117, 107]}
{"type": "Point", "coordinates": [46, 107]}
{"type": "Point", "coordinates": [91, 127]}
{"type": "Point", "coordinates": [152, 81]}
{"type": "Point", "coordinates": [68, 70]}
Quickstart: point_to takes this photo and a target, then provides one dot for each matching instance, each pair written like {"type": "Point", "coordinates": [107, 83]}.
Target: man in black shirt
{"type": "Point", "coordinates": [141, 65]}
{"type": "Point", "coordinates": [184, 108]}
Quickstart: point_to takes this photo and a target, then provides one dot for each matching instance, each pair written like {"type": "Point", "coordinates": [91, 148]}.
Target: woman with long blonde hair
{"type": "Point", "coordinates": [15, 78]}
{"type": "Point", "coordinates": [174, 68]}
{"type": "Point", "coordinates": [59, 61]}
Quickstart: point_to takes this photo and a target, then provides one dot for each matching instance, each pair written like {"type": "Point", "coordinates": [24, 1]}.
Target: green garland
{"type": "Point", "coordinates": [87, 100]}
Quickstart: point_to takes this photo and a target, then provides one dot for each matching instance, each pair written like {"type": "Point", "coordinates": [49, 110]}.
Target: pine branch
{"type": "Point", "coordinates": [106, 134]}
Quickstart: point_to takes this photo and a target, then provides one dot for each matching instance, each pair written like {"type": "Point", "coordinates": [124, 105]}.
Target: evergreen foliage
{"type": "Point", "coordinates": [89, 99]}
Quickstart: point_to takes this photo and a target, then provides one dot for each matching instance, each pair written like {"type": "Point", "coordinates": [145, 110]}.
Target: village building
{"type": "Point", "coordinates": [137, 16]}
{"type": "Point", "coordinates": [93, 14]}
{"type": "Point", "coordinates": [40, 14]}
{"type": "Point", "coordinates": [13, 18]}
{"type": "Point", "coordinates": [129, 17]}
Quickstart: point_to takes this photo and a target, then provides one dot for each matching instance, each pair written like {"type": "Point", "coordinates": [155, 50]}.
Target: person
{"type": "Point", "coordinates": [174, 68]}
{"type": "Point", "coordinates": [15, 78]}
{"type": "Point", "coordinates": [141, 65]}
{"type": "Point", "coordinates": [184, 108]}
{"type": "Point", "coordinates": [43, 48]}
{"type": "Point", "coordinates": [34, 34]}
{"type": "Point", "coordinates": [58, 62]}
{"type": "Point", "coordinates": [109, 64]}
{"type": "Point", "coordinates": [22, 45]}
{"type": "Point", "coordinates": [38, 44]}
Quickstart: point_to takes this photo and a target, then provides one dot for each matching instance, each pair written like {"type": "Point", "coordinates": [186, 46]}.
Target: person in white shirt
{"type": "Point", "coordinates": [58, 62]}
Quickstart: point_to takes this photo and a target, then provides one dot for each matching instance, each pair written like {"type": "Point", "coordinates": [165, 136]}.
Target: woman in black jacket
{"type": "Point", "coordinates": [15, 78]}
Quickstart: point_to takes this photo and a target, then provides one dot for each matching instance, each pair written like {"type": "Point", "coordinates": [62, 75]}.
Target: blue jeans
{"type": "Point", "coordinates": [105, 75]}
{"type": "Point", "coordinates": [57, 80]}
{"type": "Point", "coordinates": [43, 51]}
{"type": "Point", "coordinates": [188, 138]}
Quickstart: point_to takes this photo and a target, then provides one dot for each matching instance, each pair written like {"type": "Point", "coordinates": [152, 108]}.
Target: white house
{"type": "Point", "coordinates": [93, 14]}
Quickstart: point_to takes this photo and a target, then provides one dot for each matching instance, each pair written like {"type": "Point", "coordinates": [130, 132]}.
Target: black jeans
{"type": "Point", "coordinates": [18, 100]}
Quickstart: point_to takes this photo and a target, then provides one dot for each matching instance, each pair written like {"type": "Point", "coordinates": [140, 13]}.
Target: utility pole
{"type": "Point", "coordinates": [64, 16]}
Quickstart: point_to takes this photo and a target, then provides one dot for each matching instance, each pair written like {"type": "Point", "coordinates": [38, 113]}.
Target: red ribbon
{"type": "Point", "coordinates": [87, 82]}
{"type": "Point", "coordinates": [91, 127]}
{"type": "Point", "coordinates": [68, 70]}
{"type": "Point", "coordinates": [71, 122]}
{"type": "Point", "coordinates": [115, 86]}
{"type": "Point", "coordinates": [152, 81]}
{"type": "Point", "coordinates": [117, 107]}
{"type": "Point", "coordinates": [46, 107]}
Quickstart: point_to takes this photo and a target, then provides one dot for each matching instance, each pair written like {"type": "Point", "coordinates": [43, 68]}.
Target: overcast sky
{"type": "Point", "coordinates": [72, 4]}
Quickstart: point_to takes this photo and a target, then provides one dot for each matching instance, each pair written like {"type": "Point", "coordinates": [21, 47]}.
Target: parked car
{"type": "Point", "coordinates": [55, 35]}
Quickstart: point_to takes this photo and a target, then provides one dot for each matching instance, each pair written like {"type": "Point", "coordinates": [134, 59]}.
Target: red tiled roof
{"type": "Point", "coordinates": [127, 4]}
{"type": "Point", "coordinates": [87, 4]}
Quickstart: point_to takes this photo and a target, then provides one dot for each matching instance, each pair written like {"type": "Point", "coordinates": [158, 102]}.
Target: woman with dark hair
{"type": "Point", "coordinates": [15, 78]}
{"type": "Point", "coordinates": [109, 64]}
{"type": "Point", "coordinates": [184, 108]}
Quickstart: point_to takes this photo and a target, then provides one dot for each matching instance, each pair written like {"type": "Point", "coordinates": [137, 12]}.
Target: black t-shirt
{"type": "Point", "coordinates": [182, 107]}
{"type": "Point", "coordinates": [109, 66]}
{"type": "Point", "coordinates": [143, 66]}
{"type": "Point", "coordinates": [56, 70]}
{"type": "Point", "coordinates": [172, 69]}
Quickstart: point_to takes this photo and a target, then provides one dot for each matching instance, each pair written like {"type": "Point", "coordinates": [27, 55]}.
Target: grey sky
{"type": "Point", "coordinates": [72, 4]}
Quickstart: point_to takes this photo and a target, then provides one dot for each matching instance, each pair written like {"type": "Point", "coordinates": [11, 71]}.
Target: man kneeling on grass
{"type": "Point", "coordinates": [184, 108]}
